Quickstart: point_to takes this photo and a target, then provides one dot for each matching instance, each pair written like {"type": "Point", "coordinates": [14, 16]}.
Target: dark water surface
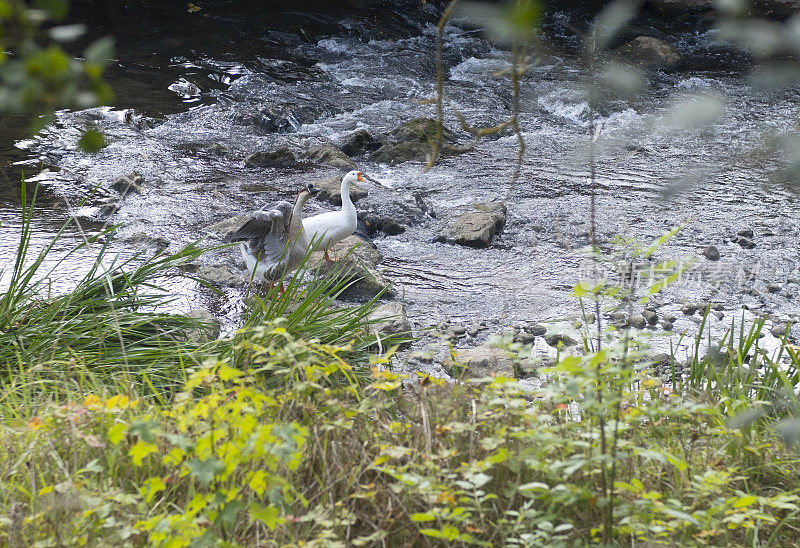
{"type": "Point", "coordinates": [248, 84]}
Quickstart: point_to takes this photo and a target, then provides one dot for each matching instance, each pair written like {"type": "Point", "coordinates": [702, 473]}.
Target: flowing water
{"type": "Point", "coordinates": [252, 87]}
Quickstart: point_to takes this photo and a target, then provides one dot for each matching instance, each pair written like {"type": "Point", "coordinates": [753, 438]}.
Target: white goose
{"type": "Point", "coordinates": [273, 242]}
{"type": "Point", "coordinates": [328, 229]}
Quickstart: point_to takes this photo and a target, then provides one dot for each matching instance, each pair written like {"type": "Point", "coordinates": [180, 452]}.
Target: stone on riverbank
{"type": "Point", "coordinates": [478, 228]}
{"type": "Point", "coordinates": [481, 361]}
{"type": "Point", "coordinates": [711, 253]}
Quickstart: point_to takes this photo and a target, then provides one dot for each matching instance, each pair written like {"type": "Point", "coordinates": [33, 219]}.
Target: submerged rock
{"type": "Point", "coordinates": [413, 140]}
{"type": "Point", "coordinates": [481, 361]}
{"type": "Point", "coordinates": [746, 243]}
{"type": "Point", "coordinates": [651, 51]}
{"type": "Point", "coordinates": [132, 182]}
{"type": "Point", "coordinates": [281, 157]}
{"type": "Point", "coordinates": [397, 153]}
{"type": "Point", "coordinates": [329, 155]}
{"type": "Point", "coordinates": [360, 142]}
{"type": "Point", "coordinates": [478, 228]}
{"type": "Point", "coordinates": [331, 191]}
{"type": "Point", "coordinates": [356, 263]}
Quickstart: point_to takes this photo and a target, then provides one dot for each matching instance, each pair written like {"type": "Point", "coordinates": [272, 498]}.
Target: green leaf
{"type": "Point", "coordinates": [91, 141]}
{"type": "Point", "coordinates": [140, 450]}
{"type": "Point", "coordinates": [746, 500]}
{"type": "Point", "coordinates": [100, 52]}
{"type": "Point", "coordinates": [419, 516]}
{"type": "Point", "coordinates": [57, 9]}
{"type": "Point", "coordinates": [228, 514]}
{"type": "Point", "coordinates": [205, 470]}
{"type": "Point", "coordinates": [268, 516]}
{"type": "Point", "coordinates": [117, 432]}
{"type": "Point", "coordinates": [151, 487]}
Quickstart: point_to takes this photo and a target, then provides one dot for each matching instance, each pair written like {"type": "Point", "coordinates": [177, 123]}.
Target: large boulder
{"type": "Point", "coordinates": [650, 51]}
{"type": "Point", "coordinates": [329, 155]}
{"type": "Point", "coordinates": [397, 153]}
{"type": "Point", "coordinates": [478, 228]}
{"type": "Point", "coordinates": [331, 191]}
{"type": "Point", "coordinates": [355, 262]}
{"type": "Point", "coordinates": [481, 361]}
{"type": "Point", "coordinates": [280, 158]}
{"type": "Point", "coordinates": [421, 130]}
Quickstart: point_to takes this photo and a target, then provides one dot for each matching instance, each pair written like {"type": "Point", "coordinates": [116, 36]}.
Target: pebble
{"type": "Point", "coordinates": [458, 330]}
{"type": "Point", "coordinates": [746, 243]}
{"type": "Point", "coordinates": [650, 316]}
{"type": "Point", "coordinates": [669, 317]}
{"type": "Point", "coordinates": [554, 338]}
{"type": "Point", "coordinates": [711, 253]}
{"type": "Point", "coordinates": [473, 331]}
{"type": "Point", "coordinates": [667, 326]}
{"type": "Point", "coordinates": [773, 288]}
{"type": "Point", "coordinates": [745, 233]}
{"type": "Point", "coordinates": [689, 309]}
{"type": "Point", "coordinates": [536, 329]}
{"type": "Point", "coordinates": [637, 321]}
{"type": "Point", "coordinates": [720, 315]}
{"type": "Point", "coordinates": [778, 330]}
{"type": "Point", "coordinates": [524, 338]}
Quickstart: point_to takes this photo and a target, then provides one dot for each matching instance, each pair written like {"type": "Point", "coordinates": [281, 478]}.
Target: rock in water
{"type": "Point", "coordinates": [357, 265]}
{"type": "Point", "coordinates": [282, 157]}
{"type": "Point", "coordinates": [132, 182]}
{"type": "Point", "coordinates": [478, 228]}
{"type": "Point", "coordinates": [360, 142]}
{"type": "Point", "coordinates": [421, 130]}
{"type": "Point", "coordinates": [226, 227]}
{"type": "Point", "coordinates": [651, 51]}
{"type": "Point", "coordinates": [390, 319]}
{"type": "Point", "coordinates": [331, 191]}
{"type": "Point", "coordinates": [210, 329]}
{"type": "Point", "coordinates": [412, 140]}
{"type": "Point", "coordinates": [481, 361]}
{"type": "Point", "coordinates": [329, 155]}
{"type": "Point", "coordinates": [397, 153]}
{"type": "Point", "coordinates": [711, 253]}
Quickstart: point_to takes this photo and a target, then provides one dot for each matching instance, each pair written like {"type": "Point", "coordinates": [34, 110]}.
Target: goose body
{"type": "Point", "coordinates": [328, 229]}
{"type": "Point", "coordinates": [272, 241]}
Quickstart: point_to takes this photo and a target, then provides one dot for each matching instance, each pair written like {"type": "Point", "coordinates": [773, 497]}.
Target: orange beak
{"type": "Point", "coordinates": [360, 177]}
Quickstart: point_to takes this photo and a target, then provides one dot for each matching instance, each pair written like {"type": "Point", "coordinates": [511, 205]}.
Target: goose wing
{"type": "Point", "coordinates": [267, 230]}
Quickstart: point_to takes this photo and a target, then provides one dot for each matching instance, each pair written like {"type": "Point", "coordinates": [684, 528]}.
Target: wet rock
{"type": "Point", "coordinates": [711, 253]}
{"type": "Point", "coordinates": [793, 280]}
{"type": "Point", "coordinates": [689, 309]}
{"type": "Point", "coordinates": [226, 227]}
{"type": "Point", "coordinates": [651, 51]}
{"type": "Point", "coordinates": [481, 361]}
{"type": "Point", "coordinates": [397, 153]}
{"type": "Point", "coordinates": [394, 216]}
{"type": "Point", "coordinates": [360, 142]}
{"type": "Point", "coordinates": [553, 339]}
{"type": "Point", "coordinates": [458, 331]}
{"type": "Point", "coordinates": [637, 322]}
{"type": "Point", "coordinates": [281, 158]}
{"type": "Point", "coordinates": [413, 140]}
{"type": "Point", "coordinates": [219, 275]}
{"type": "Point", "coordinates": [745, 233]}
{"type": "Point", "coordinates": [666, 326]}
{"type": "Point", "coordinates": [524, 337]}
{"type": "Point", "coordinates": [375, 222]}
{"type": "Point", "coordinates": [669, 317]}
{"type": "Point", "coordinates": [421, 130]}
{"type": "Point", "coordinates": [331, 191]}
{"type": "Point", "coordinates": [132, 182]}
{"type": "Point", "coordinates": [719, 315]}
{"type": "Point", "coordinates": [329, 155]}
{"type": "Point", "coordinates": [217, 149]}
{"type": "Point", "coordinates": [746, 243]}
{"type": "Point", "coordinates": [391, 319]}
{"type": "Point", "coordinates": [146, 239]}
{"type": "Point", "coordinates": [650, 316]}
{"type": "Point", "coordinates": [208, 331]}
{"type": "Point", "coordinates": [478, 228]}
{"type": "Point", "coordinates": [773, 288]}
{"type": "Point", "coordinates": [473, 331]}
{"type": "Point", "coordinates": [356, 265]}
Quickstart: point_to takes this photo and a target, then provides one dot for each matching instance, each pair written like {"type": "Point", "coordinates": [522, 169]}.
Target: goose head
{"type": "Point", "coordinates": [352, 177]}
{"type": "Point", "coordinates": [308, 192]}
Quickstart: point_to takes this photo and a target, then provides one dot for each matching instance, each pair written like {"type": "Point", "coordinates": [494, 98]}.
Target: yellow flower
{"type": "Point", "coordinates": [92, 401]}
{"type": "Point", "coordinates": [36, 423]}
